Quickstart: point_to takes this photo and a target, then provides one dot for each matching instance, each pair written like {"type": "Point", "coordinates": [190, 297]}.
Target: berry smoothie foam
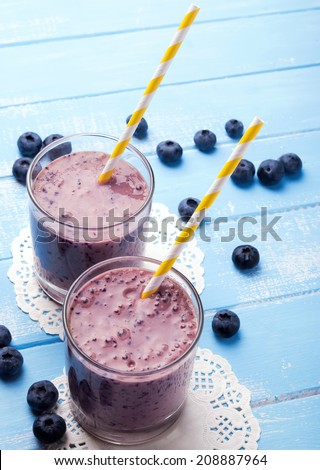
{"type": "Point", "coordinates": [129, 359]}
{"type": "Point", "coordinates": [76, 223]}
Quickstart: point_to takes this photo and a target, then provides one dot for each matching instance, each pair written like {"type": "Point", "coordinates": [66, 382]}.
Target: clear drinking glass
{"type": "Point", "coordinates": [127, 407]}
{"type": "Point", "coordinates": [63, 248]}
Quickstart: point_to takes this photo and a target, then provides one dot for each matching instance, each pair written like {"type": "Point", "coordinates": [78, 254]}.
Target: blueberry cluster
{"type": "Point", "coordinates": [48, 427]}
{"type": "Point", "coordinates": [270, 171]}
{"type": "Point", "coordinates": [226, 323]}
{"type": "Point", "coordinates": [29, 145]}
{"type": "Point", "coordinates": [170, 152]}
{"type": "Point", "coordinates": [11, 359]}
{"type": "Point", "coordinates": [42, 396]}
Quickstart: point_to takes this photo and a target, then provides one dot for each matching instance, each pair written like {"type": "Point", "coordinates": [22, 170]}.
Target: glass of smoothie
{"type": "Point", "coordinates": [129, 360]}
{"type": "Point", "coordinates": [75, 222]}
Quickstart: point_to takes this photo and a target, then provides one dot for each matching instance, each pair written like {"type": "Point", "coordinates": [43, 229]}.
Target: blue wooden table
{"type": "Point", "coordinates": [68, 69]}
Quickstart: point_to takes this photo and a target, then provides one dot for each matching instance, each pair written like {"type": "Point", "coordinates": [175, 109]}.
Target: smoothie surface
{"type": "Point", "coordinates": [115, 327]}
{"type": "Point", "coordinates": [68, 189]}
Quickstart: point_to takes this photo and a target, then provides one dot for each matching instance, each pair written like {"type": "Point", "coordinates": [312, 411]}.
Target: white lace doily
{"type": "Point", "coordinates": [217, 414]}
{"type": "Point", "coordinates": [33, 301]}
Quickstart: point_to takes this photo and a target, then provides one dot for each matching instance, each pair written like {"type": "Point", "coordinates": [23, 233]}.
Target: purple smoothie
{"type": "Point", "coordinates": [85, 221]}
{"type": "Point", "coordinates": [132, 364]}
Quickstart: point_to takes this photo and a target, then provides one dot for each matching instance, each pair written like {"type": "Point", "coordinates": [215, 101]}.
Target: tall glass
{"type": "Point", "coordinates": [64, 247]}
{"type": "Point", "coordinates": [124, 406]}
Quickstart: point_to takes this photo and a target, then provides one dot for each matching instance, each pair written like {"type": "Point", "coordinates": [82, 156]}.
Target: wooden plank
{"type": "Point", "coordinates": [290, 425]}
{"type": "Point", "coordinates": [276, 351]}
{"type": "Point", "coordinates": [196, 106]}
{"type": "Point", "coordinates": [34, 21]}
{"type": "Point", "coordinates": [109, 64]}
{"type": "Point", "coordinates": [286, 267]}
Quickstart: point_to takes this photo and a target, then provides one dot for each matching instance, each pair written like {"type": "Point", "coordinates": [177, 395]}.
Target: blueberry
{"type": "Point", "coordinates": [20, 169]}
{"type": "Point", "coordinates": [270, 172]}
{"type": "Point", "coordinates": [42, 395]}
{"type": "Point", "coordinates": [49, 428]}
{"type": "Point", "coordinates": [5, 336]}
{"type": "Point", "coordinates": [142, 129]}
{"type": "Point", "coordinates": [11, 361]}
{"type": "Point", "coordinates": [292, 163]}
{"type": "Point", "coordinates": [59, 150]}
{"type": "Point", "coordinates": [234, 128]}
{"type": "Point", "coordinates": [29, 144]}
{"type": "Point", "coordinates": [169, 152]}
{"type": "Point", "coordinates": [225, 323]}
{"type": "Point", "coordinates": [244, 172]}
{"type": "Point", "coordinates": [245, 256]}
{"type": "Point", "coordinates": [205, 140]}
{"type": "Point", "coordinates": [187, 207]}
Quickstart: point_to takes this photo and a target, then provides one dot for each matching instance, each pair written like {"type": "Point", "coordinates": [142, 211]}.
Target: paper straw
{"type": "Point", "coordinates": [149, 93]}
{"type": "Point", "coordinates": [187, 233]}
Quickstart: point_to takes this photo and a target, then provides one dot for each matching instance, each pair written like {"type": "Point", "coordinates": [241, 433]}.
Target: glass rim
{"type": "Point", "coordinates": [124, 372]}
{"type": "Point", "coordinates": [88, 134]}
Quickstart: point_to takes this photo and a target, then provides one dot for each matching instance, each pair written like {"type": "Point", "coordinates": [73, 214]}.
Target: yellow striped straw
{"type": "Point", "coordinates": [149, 93]}
{"type": "Point", "coordinates": [207, 201]}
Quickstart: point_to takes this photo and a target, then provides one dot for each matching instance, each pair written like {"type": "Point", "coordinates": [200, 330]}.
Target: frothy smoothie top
{"type": "Point", "coordinates": [68, 188]}
{"type": "Point", "coordinates": [111, 323]}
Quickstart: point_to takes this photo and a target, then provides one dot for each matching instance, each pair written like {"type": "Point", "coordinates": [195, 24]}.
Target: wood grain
{"type": "Point", "coordinates": [34, 21]}
{"type": "Point", "coordinates": [271, 353]}
{"type": "Point", "coordinates": [290, 425]}
{"type": "Point", "coordinates": [108, 64]}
